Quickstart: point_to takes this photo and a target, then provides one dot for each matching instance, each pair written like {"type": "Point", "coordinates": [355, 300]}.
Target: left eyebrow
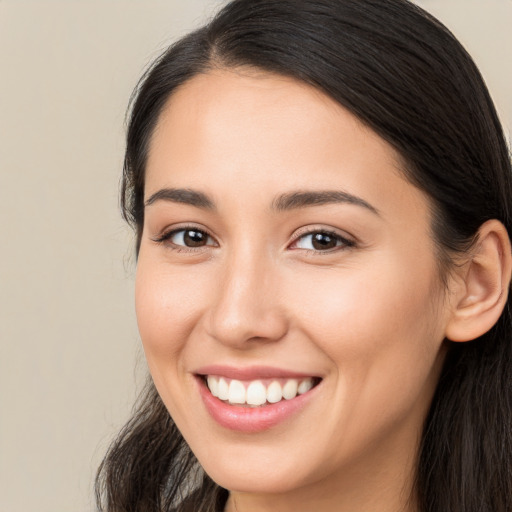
{"type": "Point", "coordinates": [303, 199]}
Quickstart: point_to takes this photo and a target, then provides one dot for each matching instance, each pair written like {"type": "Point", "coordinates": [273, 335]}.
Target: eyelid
{"type": "Point", "coordinates": [316, 228]}
{"type": "Point", "coordinates": [308, 230]}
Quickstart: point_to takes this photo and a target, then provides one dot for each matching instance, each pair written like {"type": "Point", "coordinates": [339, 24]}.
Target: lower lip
{"type": "Point", "coordinates": [251, 419]}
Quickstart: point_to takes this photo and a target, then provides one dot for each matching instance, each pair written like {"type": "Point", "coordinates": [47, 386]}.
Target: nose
{"type": "Point", "coordinates": [247, 307]}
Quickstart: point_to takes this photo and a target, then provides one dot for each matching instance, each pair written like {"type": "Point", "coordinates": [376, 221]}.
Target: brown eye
{"type": "Point", "coordinates": [321, 241]}
{"type": "Point", "coordinates": [192, 238]}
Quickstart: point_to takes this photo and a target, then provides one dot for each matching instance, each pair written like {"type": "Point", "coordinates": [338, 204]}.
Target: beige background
{"type": "Point", "coordinates": [69, 355]}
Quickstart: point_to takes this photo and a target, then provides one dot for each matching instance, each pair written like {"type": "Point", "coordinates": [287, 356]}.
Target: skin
{"type": "Point", "coordinates": [369, 317]}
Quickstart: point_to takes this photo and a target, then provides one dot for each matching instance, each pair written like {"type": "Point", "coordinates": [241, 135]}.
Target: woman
{"type": "Point", "coordinates": [321, 195]}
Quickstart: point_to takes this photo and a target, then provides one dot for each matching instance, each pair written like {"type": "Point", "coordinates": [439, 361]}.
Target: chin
{"type": "Point", "coordinates": [254, 480]}
{"type": "Point", "coordinates": [260, 469]}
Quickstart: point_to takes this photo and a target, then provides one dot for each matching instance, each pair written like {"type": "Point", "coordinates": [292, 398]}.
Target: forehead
{"type": "Point", "coordinates": [229, 129]}
{"type": "Point", "coordinates": [226, 107]}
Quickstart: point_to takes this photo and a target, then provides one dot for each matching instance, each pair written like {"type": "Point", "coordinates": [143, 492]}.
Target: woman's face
{"type": "Point", "coordinates": [283, 248]}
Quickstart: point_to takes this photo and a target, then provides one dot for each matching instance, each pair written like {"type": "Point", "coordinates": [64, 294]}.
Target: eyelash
{"type": "Point", "coordinates": [166, 237]}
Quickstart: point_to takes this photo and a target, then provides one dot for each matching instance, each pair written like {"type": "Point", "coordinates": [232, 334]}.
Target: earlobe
{"type": "Point", "coordinates": [483, 292]}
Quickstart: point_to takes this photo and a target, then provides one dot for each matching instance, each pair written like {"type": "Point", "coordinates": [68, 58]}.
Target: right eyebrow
{"type": "Point", "coordinates": [182, 195]}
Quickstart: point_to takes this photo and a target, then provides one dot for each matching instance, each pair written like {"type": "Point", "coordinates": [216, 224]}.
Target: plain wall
{"type": "Point", "coordinates": [70, 357]}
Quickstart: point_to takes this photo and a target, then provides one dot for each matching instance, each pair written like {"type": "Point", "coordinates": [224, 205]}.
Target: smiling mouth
{"type": "Point", "coordinates": [257, 393]}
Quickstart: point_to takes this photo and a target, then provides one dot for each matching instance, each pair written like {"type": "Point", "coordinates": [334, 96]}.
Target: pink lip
{"type": "Point", "coordinates": [251, 419]}
{"type": "Point", "coordinates": [250, 373]}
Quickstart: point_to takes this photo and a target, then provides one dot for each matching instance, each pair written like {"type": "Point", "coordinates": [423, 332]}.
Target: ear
{"type": "Point", "coordinates": [481, 294]}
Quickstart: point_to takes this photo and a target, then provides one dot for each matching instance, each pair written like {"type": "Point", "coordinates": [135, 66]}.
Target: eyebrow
{"type": "Point", "coordinates": [182, 195]}
{"type": "Point", "coordinates": [302, 199]}
{"type": "Point", "coordinates": [284, 202]}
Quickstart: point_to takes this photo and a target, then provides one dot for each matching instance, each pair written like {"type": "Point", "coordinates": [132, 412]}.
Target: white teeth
{"type": "Point", "coordinates": [290, 389]}
{"type": "Point", "coordinates": [274, 392]}
{"type": "Point", "coordinates": [213, 384]}
{"type": "Point", "coordinates": [305, 386]}
{"type": "Point", "coordinates": [256, 393]}
{"type": "Point", "coordinates": [223, 389]}
{"type": "Point", "coordinates": [236, 393]}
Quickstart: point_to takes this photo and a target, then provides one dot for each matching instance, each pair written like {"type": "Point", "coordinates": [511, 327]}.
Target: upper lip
{"type": "Point", "coordinates": [251, 372]}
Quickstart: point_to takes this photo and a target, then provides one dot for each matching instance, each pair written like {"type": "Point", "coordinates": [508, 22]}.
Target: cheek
{"type": "Point", "coordinates": [379, 324]}
{"type": "Point", "coordinates": [167, 303]}
{"type": "Point", "coordinates": [382, 336]}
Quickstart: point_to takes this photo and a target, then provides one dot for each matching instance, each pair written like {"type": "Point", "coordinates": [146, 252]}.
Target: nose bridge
{"type": "Point", "coordinates": [247, 305]}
